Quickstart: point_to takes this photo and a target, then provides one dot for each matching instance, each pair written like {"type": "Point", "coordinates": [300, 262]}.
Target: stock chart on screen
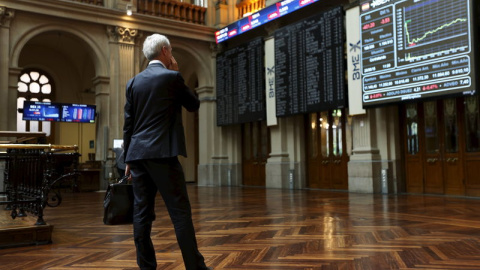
{"type": "Point", "coordinates": [415, 49]}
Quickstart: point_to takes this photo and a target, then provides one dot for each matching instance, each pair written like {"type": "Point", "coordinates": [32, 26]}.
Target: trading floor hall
{"type": "Point", "coordinates": [257, 228]}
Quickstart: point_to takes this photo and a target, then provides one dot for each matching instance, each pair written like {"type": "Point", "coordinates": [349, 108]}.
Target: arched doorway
{"type": "Point", "coordinates": [68, 61]}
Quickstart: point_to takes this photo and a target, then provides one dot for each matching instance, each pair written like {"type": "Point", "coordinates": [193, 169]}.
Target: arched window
{"type": "Point", "coordinates": [33, 85]}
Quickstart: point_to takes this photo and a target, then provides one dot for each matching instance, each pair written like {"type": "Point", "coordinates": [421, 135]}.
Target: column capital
{"type": "Point", "coordinates": [6, 16]}
{"type": "Point", "coordinates": [215, 49]}
{"type": "Point", "coordinates": [100, 85]}
{"type": "Point", "coordinates": [204, 90]}
{"type": "Point", "coordinates": [14, 71]}
{"type": "Point", "coordinates": [100, 80]}
{"type": "Point", "coordinates": [123, 34]}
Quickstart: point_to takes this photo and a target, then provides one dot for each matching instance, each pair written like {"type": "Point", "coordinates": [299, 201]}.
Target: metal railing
{"type": "Point", "coordinates": [246, 7]}
{"type": "Point", "coordinates": [171, 9]}
{"type": "Point", "coordinates": [32, 176]}
{"type": "Point", "coordinates": [175, 10]}
{"type": "Point", "coordinates": [93, 2]}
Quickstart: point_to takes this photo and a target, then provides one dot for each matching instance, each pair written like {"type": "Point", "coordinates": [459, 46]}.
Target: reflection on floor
{"type": "Point", "coordinates": [256, 228]}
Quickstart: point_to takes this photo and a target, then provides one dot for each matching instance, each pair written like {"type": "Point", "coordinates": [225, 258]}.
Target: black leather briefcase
{"type": "Point", "coordinates": [118, 203]}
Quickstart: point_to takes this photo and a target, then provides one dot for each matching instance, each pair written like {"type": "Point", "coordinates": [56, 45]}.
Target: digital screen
{"type": "Point", "coordinates": [59, 112]}
{"type": "Point", "coordinates": [309, 64]}
{"type": "Point", "coordinates": [415, 49]}
{"type": "Point", "coordinates": [263, 16]}
{"type": "Point", "coordinates": [241, 84]}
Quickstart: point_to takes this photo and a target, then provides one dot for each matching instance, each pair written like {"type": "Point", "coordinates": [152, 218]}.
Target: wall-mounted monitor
{"type": "Point", "coordinates": [59, 112]}
{"type": "Point", "coordinates": [416, 49]}
{"type": "Point", "coordinates": [260, 17]}
{"type": "Point", "coordinates": [241, 84]}
{"type": "Point", "coordinates": [309, 64]}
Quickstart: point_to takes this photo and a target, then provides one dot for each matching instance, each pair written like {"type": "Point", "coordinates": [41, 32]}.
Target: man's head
{"type": "Point", "coordinates": [157, 47]}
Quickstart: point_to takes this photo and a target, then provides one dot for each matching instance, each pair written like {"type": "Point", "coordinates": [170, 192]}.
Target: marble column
{"type": "Point", "coordinates": [221, 14]}
{"type": "Point", "coordinates": [219, 147]}
{"type": "Point", "coordinates": [122, 69]}
{"type": "Point", "coordinates": [11, 98]}
{"type": "Point", "coordinates": [364, 167]}
{"type": "Point", "coordinates": [6, 16]}
{"type": "Point", "coordinates": [285, 166]}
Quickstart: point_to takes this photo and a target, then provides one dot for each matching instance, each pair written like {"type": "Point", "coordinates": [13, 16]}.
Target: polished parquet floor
{"type": "Point", "coordinates": [256, 228]}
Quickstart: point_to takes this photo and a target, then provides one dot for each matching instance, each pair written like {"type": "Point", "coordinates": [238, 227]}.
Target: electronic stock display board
{"type": "Point", "coordinates": [59, 112]}
{"type": "Point", "coordinates": [260, 17]}
{"type": "Point", "coordinates": [241, 84]}
{"type": "Point", "coordinates": [414, 49]}
{"type": "Point", "coordinates": [309, 64]}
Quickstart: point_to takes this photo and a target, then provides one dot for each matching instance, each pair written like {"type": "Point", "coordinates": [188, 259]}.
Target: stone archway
{"type": "Point", "coordinates": [73, 59]}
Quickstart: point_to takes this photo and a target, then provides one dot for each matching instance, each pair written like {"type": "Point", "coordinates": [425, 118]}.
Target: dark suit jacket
{"type": "Point", "coordinates": [153, 114]}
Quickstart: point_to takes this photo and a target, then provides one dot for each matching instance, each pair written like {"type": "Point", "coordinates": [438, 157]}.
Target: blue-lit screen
{"type": "Point", "coordinates": [60, 112]}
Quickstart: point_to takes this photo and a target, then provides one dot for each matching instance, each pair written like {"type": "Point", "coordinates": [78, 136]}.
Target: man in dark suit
{"type": "Point", "coordinates": [153, 138]}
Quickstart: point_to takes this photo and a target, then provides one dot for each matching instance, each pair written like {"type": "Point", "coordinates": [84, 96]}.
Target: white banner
{"type": "Point", "coordinates": [270, 82]}
{"type": "Point", "coordinates": [354, 45]}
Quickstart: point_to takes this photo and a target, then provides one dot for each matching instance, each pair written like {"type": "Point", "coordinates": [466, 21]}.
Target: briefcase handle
{"type": "Point", "coordinates": [123, 180]}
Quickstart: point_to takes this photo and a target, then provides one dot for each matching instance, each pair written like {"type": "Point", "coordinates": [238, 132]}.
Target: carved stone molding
{"type": "Point", "coordinates": [122, 34]}
{"type": "Point", "coordinates": [215, 49]}
{"type": "Point", "coordinates": [220, 3]}
{"type": "Point", "coordinates": [6, 16]}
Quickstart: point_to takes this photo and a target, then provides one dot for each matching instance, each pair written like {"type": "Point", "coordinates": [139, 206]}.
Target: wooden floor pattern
{"type": "Point", "coordinates": [255, 228]}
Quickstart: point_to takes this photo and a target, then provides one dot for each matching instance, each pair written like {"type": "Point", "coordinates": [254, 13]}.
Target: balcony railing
{"type": "Point", "coordinates": [173, 10]}
{"type": "Point", "coordinates": [249, 6]}
{"type": "Point", "coordinates": [93, 2]}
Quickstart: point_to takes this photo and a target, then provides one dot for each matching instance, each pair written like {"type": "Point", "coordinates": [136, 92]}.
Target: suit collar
{"type": "Point", "coordinates": [157, 62]}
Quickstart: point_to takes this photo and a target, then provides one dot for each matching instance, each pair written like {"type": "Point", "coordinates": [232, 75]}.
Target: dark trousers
{"type": "Point", "coordinates": [165, 175]}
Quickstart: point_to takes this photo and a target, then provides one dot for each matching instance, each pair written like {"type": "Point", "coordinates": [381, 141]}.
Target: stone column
{"type": "Point", "coordinates": [207, 131]}
{"type": "Point", "coordinates": [11, 98]}
{"type": "Point", "coordinates": [6, 16]}
{"type": "Point", "coordinates": [122, 69]}
{"type": "Point", "coordinates": [219, 147]}
{"type": "Point", "coordinates": [364, 167]}
{"type": "Point", "coordinates": [101, 86]}
{"type": "Point", "coordinates": [284, 168]}
{"type": "Point", "coordinates": [221, 14]}
{"type": "Point", "coordinates": [278, 164]}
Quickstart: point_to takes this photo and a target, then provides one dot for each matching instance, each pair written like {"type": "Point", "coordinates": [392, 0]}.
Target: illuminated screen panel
{"type": "Point", "coordinates": [309, 64]}
{"type": "Point", "coordinates": [241, 84]}
{"type": "Point", "coordinates": [415, 49]}
{"type": "Point", "coordinates": [261, 17]}
{"type": "Point", "coordinates": [58, 112]}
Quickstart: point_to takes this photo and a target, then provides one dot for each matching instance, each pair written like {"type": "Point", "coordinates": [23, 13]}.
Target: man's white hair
{"type": "Point", "coordinates": [152, 46]}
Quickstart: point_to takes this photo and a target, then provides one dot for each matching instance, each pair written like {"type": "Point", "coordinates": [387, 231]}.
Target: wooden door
{"type": "Point", "coordinates": [442, 146]}
{"type": "Point", "coordinates": [326, 156]}
{"type": "Point", "coordinates": [453, 147]}
{"type": "Point", "coordinates": [413, 148]}
{"type": "Point", "coordinates": [256, 147]}
{"type": "Point", "coordinates": [339, 157]}
{"type": "Point", "coordinates": [471, 159]}
{"type": "Point", "coordinates": [433, 164]}
{"type": "Point", "coordinates": [318, 151]}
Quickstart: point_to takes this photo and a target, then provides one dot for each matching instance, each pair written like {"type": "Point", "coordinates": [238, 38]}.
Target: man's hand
{"type": "Point", "coordinates": [127, 172]}
{"type": "Point", "coordinates": [173, 64]}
